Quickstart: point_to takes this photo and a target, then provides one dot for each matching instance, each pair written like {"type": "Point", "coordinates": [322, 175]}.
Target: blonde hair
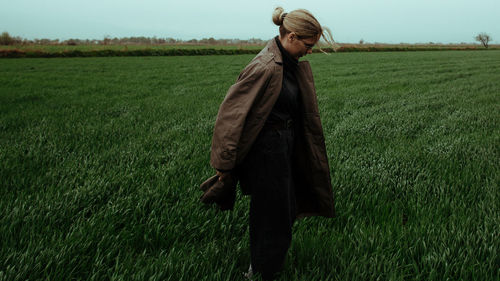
{"type": "Point", "coordinates": [302, 23]}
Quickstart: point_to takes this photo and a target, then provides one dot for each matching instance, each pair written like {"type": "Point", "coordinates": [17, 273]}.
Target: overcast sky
{"type": "Point", "coordinates": [388, 21]}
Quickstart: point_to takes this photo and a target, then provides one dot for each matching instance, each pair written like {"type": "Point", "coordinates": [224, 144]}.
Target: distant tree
{"type": "Point", "coordinates": [106, 40]}
{"type": "Point", "coordinates": [170, 40]}
{"type": "Point", "coordinates": [6, 39]}
{"type": "Point", "coordinates": [483, 38]}
{"type": "Point", "coordinates": [71, 42]}
{"type": "Point", "coordinates": [18, 40]}
{"type": "Point", "coordinates": [44, 41]}
{"type": "Point", "coordinates": [361, 42]}
{"type": "Point", "coordinates": [254, 41]}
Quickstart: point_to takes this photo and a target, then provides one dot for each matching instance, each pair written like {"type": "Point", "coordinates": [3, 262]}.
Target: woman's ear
{"type": "Point", "coordinates": [292, 36]}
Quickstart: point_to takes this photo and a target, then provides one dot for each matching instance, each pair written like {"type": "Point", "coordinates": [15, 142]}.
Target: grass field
{"type": "Point", "coordinates": [102, 159]}
{"type": "Point", "coordinates": [61, 48]}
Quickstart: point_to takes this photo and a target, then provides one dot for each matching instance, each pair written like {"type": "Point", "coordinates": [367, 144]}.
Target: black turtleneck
{"type": "Point", "coordinates": [287, 105]}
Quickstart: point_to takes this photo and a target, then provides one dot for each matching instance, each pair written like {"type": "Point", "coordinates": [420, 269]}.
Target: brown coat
{"type": "Point", "coordinates": [243, 113]}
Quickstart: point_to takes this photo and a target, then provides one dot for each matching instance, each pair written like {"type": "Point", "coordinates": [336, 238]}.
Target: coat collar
{"type": "Point", "coordinates": [273, 48]}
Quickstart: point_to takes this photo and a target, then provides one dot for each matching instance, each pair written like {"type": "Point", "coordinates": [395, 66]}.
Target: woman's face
{"type": "Point", "coordinates": [298, 47]}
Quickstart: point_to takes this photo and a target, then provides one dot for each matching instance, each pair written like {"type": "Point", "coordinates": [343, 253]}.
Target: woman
{"type": "Point", "coordinates": [268, 135]}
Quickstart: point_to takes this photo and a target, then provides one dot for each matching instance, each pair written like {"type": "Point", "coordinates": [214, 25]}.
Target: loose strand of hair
{"type": "Point", "coordinates": [327, 36]}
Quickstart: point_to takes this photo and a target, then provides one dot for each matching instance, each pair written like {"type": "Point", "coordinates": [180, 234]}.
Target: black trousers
{"type": "Point", "coordinates": [267, 171]}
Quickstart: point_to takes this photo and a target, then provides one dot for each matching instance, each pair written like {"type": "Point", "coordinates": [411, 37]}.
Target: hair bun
{"type": "Point", "coordinates": [278, 15]}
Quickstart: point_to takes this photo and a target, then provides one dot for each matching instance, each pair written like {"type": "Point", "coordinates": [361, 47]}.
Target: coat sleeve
{"type": "Point", "coordinates": [233, 111]}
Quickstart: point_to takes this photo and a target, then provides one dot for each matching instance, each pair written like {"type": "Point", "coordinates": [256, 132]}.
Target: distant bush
{"type": "Point", "coordinates": [394, 49]}
{"type": "Point", "coordinates": [16, 53]}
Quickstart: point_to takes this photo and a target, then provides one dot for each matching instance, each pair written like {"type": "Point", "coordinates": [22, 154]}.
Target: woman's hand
{"type": "Point", "coordinates": [223, 175]}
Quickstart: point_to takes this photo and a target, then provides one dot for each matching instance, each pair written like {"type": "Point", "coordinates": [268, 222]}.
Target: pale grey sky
{"type": "Point", "coordinates": [388, 21]}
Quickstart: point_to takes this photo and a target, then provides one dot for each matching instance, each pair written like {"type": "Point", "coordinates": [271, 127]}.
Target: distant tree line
{"type": "Point", "coordinates": [7, 39]}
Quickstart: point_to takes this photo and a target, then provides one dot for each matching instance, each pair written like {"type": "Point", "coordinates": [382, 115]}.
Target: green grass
{"type": "Point", "coordinates": [102, 159]}
{"type": "Point", "coordinates": [51, 51]}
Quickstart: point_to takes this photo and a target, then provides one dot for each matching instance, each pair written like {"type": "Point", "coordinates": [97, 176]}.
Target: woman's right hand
{"type": "Point", "coordinates": [223, 175]}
